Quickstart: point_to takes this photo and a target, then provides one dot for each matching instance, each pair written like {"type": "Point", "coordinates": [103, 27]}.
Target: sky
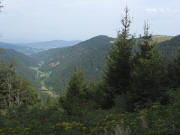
{"type": "Point", "coordinates": [43, 20]}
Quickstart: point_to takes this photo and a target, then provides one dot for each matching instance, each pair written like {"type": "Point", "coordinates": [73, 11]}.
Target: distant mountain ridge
{"type": "Point", "coordinates": [45, 45]}
{"type": "Point", "coordinates": [22, 49]}
{"type": "Point", "coordinates": [33, 48]}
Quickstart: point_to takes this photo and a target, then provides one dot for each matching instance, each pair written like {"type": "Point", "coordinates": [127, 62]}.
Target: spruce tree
{"type": "Point", "coordinates": [117, 76]}
{"type": "Point", "coordinates": [73, 100]}
{"type": "Point", "coordinates": [148, 72]}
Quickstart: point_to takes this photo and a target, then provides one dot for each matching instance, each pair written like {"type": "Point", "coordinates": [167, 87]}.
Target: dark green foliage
{"type": "Point", "coordinates": [117, 74]}
{"type": "Point", "coordinates": [50, 101]}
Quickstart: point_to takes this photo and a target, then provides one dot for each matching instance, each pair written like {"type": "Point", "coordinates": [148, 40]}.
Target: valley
{"type": "Point", "coordinates": [41, 77]}
{"type": "Point", "coordinates": [50, 70]}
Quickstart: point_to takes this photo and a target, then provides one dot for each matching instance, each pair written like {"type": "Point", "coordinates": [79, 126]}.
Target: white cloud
{"type": "Point", "coordinates": [151, 10]}
{"type": "Point", "coordinates": [162, 11]}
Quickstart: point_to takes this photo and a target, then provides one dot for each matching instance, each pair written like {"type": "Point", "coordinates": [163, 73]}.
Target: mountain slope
{"type": "Point", "coordinates": [89, 55]}
{"type": "Point", "coordinates": [169, 48]}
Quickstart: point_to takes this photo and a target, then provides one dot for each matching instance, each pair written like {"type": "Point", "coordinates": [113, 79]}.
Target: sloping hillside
{"type": "Point", "coordinates": [89, 55]}
{"type": "Point", "coordinates": [23, 63]}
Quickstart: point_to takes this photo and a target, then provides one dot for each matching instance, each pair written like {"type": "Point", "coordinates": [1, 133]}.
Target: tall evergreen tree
{"type": "Point", "coordinates": [117, 75]}
{"type": "Point", "coordinates": [148, 72]}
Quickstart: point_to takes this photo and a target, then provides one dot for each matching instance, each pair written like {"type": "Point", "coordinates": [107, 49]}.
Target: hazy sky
{"type": "Point", "coordinates": [41, 20]}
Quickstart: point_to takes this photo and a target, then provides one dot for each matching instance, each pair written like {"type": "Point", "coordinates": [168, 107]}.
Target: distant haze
{"type": "Point", "coordinates": [45, 20]}
{"type": "Point", "coordinates": [50, 44]}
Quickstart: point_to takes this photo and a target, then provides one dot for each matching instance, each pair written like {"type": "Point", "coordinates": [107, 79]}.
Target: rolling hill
{"type": "Point", "coordinates": [18, 48]}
